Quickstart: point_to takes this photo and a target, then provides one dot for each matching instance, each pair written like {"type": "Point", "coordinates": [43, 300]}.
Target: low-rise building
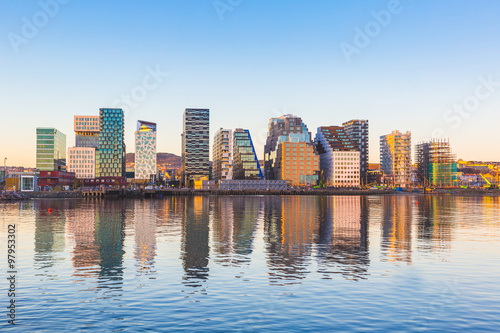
{"type": "Point", "coordinates": [252, 184]}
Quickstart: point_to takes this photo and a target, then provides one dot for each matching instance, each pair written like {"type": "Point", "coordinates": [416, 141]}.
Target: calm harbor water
{"type": "Point", "coordinates": [255, 263]}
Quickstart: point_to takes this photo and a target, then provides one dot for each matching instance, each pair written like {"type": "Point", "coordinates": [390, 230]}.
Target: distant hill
{"type": "Point", "coordinates": [163, 160]}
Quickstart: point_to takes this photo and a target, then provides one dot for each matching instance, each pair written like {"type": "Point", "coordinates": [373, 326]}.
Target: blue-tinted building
{"type": "Point", "coordinates": [110, 155]}
{"type": "Point", "coordinates": [245, 162]}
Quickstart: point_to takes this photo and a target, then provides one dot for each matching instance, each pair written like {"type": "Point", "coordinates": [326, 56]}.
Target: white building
{"type": "Point", "coordinates": [339, 158]}
{"type": "Point", "coordinates": [223, 155]}
{"type": "Point", "coordinates": [145, 150]}
{"type": "Point", "coordinates": [81, 161]}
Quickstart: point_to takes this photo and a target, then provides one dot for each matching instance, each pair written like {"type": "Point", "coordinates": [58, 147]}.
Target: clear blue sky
{"type": "Point", "coordinates": [249, 61]}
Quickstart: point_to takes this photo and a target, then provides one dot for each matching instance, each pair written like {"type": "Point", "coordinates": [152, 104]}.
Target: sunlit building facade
{"type": "Point", "coordinates": [145, 150]}
{"type": "Point", "coordinates": [195, 146]}
{"type": "Point", "coordinates": [338, 156]}
{"type": "Point", "coordinates": [395, 158]}
{"type": "Point", "coordinates": [289, 153]}
{"type": "Point", "coordinates": [222, 155]}
{"type": "Point", "coordinates": [86, 131]}
{"type": "Point", "coordinates": [81, 161]}
{"type": "Point", "coordinates": [245, 162]}
{"type": "Point", "coordinates": [50, 149]}
{"type": "Point", "coordinates": [357, 130]}
{"type": "Point", "coordinates": [110, 155]}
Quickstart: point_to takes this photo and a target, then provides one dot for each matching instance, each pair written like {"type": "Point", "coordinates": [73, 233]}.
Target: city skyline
{"type": "Point", "coordinates": [316, 62]}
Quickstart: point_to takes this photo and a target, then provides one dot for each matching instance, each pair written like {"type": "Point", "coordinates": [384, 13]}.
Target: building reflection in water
{"type": "Point", "coordinates": [81, 231]}
{"type": "Point", "coordinates": [397, 219]}
{"type": "Point", "coordinates": [145, 235]}
{"type": "Point", "coordinates": [50, 230]}
{"type": "Point", "coordinates": [436, 218]}
{"type": "Point", "coordinates": [290, 223]}
{"type": "Point", "coordinates": [109, 238]}
{"type": "Point", "coordinates": [234, 224]}
{"type": "Point", "coordinates": [195, 237]}
{"type": "Point", "coordinates": [343, 237]}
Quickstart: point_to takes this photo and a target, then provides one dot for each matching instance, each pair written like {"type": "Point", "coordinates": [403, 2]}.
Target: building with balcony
{"type": "Point", "coordinates": [50, 149]}
{"type": "Point", "coordinates": [395, 158]}
{"type": "Point", "coordinates": [110, 155]}
{"type": "Point", "coordinates": [222, 155]}
{"type": "Point", "coordinates": [195, 147]}
{"type": "Point", "coordinates": [145, 150]}
{"type": "Point", "coordinates": [339, 157]}
{"type": "Point", "coordinates": [245, 162]}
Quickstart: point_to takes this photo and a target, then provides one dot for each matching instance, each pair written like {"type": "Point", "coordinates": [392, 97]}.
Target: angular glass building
{"type": "Point", "coordinates": [50, 149]}
{"type": "Point", "coordinates": [110, 155]}
{"type": "Point", "coordinates": [145, 150]}
{"type": "Point", "coordinates": [195, 146]}
{"type": "Point", "coordinates": [245, 162]}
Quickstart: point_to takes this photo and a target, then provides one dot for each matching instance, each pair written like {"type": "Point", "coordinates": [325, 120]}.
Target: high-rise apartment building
{"type": "Point", "coordinates": [222, 159]}
{"type": "Point", "coordinates": [86, 131]}
{"type": "Point", "coordinates": [338, 157]}
{"type": "Point", "coordinates": [50, 149]}
{"type": "Point", "coordinates": [436, 164]}
{"type": "Point", "coordinates": [245, 162]}
{"type": "Point", "coordinates": [289, 153]}
{"type": "Point", "coordinates": [357, 130]}
{"type": "Point", "coordinates": [110, 155]}
{"type": "Point", "coordinates": [195, 145]}
{"type": "Point", "coordinates": [395, 158]}
{"type": "Point", "coordinates": [81, 161]}
{"type": "Point", "coordinates": [145, 150]}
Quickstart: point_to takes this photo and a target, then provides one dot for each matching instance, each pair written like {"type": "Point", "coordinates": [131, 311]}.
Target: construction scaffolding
{"type": "Point", "coordinates": [436, 164]}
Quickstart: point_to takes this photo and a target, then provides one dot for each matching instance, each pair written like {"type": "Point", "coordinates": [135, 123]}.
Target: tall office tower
{"type": "Point", "coordinates": [145, 150]}
{"type": "Point", "coordinates": [357, 130]}
{"type": "Point", "coordinates": [195, 145]}
{"type": "Point", "coordinates": [222, 155]}
{"type": "Point", "coordinates": [395, 157]}
{"type": "Point", "coordinates": [110, 155]}
{"type": "Point", "coordinates": [245, 162]}
{"type": "Point", "coordinates": [50, 149]}
{"type": "Point", "coordinates": [86, 131]}
{"type": "Point", "coordinates": [436, 164]}
{"type": "Point", "coordinates": [81, 159]}
{"type": "Point", "coordinates": [338, 157]}
{"type": "Point", "coordinates": [289, 153]}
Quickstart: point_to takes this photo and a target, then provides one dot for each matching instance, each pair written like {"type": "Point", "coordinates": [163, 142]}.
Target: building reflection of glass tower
{"type": "Point", "coordinates": [195, 237]}
{"type": "Point", "coordinates": [233, 226]}
{"type": "Point", "coordinates": [397, 221]}
{"type": "Point", "coordinates": [436, 218]}
{"type": "Point", "coordinates": [109, 237]}
{"type": "Point", "coordinates": [343, 237]}
{"type": "Point", "coordinates": [290, 228]}
{"type": "Point", "coordinates": [50, 230]}
{"type": "Point", "coordinates": [145, 236]}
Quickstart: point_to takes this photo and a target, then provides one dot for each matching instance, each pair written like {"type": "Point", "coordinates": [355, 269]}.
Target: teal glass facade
{"type": "Point", "coordinates": [245, 162]}
{"type": "Point", "coordinates": [110, 155]}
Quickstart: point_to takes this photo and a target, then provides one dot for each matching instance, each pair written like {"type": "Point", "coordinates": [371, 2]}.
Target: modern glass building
{"type": "Point", "coordinates": [284, 157]}
{"type": "Point", "coordinates": [357, 130]}
{"type": "Point", "coordinates": [436, 164]}
{"type": "Point", "coordinates": [222, 151]}
{"type": "Point", "coordinates": [339, 157]}
{"type": "Point", "coordinates": [145, 150]}
{"type": "Point", "coordinates": [50, 149]}
{"type": "Point", "coordinates": [245, 162]}
{"type": "Point", "coordinates": [110, 155]}
{"type": "Point", "coordinates": [195, 146]}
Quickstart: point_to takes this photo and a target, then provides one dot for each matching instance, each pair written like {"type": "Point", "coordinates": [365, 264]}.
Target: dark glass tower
{"type": "Point", "coordinates": [245, 161]}
{"type": "Point", "coordinates": [195, 145]}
